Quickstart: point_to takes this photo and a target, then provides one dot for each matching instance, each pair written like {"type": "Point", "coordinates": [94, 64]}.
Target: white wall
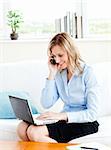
{"type": "Point", "coordinates": [92, 51]}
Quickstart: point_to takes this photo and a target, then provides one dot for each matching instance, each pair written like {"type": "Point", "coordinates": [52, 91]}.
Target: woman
{"type": "Point", "coordinates": [74, 82]}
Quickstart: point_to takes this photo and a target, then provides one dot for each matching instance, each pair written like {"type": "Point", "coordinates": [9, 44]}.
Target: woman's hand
{"type": "Point", "coordinates": [52, 115]}
{"type": "Point", "coordinates": [53, 69]}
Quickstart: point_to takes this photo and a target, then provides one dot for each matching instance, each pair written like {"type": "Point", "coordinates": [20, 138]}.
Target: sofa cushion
{"type": "Point", "coordinates": [27, 76]}
{"type": "Point", "coordinates": [103, 75]}
{"type": "Point", "coordinates": [8, 129]}
{"type": "Point", "coordinates": [6, 110]}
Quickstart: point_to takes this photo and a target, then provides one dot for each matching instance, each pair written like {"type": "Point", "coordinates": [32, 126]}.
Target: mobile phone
{"type": "Point", "coordinates": [53, 61]}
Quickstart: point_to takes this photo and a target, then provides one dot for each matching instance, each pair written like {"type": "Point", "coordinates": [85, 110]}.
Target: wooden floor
{"type": "Point", "coordinates": [6, 145]}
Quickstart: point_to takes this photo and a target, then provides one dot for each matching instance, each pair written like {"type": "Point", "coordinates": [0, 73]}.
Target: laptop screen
{"type": "Point", "coordinates": [21, 109]}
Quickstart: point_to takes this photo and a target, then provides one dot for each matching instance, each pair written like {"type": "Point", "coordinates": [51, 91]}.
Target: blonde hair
{"type": "Point", "coordinates": [67, 43]}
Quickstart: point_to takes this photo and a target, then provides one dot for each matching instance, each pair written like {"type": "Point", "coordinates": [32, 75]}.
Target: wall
{"type": "Point", "coordinates": [92, 51]}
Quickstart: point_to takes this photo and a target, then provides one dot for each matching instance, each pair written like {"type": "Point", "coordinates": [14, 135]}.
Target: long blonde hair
{"type": "Point", "coordinates": [67, 43]}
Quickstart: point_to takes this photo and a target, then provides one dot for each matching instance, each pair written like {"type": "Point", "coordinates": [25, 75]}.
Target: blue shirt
{"type": "Point", "coordinates": [80, 95]}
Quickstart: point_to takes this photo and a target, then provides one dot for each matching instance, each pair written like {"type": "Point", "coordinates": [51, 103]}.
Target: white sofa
{"type": "Point", "coordinates": [30, 76]}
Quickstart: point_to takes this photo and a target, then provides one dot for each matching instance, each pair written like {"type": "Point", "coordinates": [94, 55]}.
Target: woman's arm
{"type": "Point", "coordinates": [49, 94]}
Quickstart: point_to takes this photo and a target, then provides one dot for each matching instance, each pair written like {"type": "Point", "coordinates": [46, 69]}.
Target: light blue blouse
{"type": "Point", "coordinates": [80, 95]}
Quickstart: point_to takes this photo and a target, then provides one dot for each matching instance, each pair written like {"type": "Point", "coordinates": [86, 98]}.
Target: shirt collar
{"type": "Point", "coordinates": [76, 72]}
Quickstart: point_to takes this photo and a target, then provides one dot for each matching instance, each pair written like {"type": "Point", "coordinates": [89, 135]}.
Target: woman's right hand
{"type": "Point", "coordinates": [53, 69]}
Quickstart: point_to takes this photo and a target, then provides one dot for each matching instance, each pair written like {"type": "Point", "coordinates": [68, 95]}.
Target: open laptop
{"type": "Point", "coordinates": [23, 112]}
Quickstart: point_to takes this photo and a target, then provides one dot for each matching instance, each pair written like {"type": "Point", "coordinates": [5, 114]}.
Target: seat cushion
{"type": "Point", "coordinates": [8, 129]}
{"type": "Point", "coordinates": [103, 75]}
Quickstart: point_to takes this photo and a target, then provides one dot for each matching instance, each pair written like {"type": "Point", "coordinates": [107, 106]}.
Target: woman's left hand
{"type": "Point", "coordinates": [52, 115]}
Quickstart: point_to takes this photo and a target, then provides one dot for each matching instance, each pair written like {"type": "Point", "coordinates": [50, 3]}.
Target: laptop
{"type": "Point", "coordinates": [23, 112]}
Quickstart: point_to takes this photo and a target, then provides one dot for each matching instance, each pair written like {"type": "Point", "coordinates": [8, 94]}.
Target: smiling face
{"type": "Point", "coordinates": [60, 55]}
{"type": "Point", "coordinates": [65, 52]}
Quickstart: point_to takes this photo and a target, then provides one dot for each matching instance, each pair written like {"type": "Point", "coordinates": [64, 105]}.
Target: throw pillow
{"type": "Point", "coordinates": [6, 111]}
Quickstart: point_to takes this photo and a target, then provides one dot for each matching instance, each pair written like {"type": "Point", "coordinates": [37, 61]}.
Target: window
{"type": "Point", "coordinates": [40, 17]}
{"type": "Point", "coordinates": [1, 19]}
{"type": "Point", "coordinates": [97, 15]}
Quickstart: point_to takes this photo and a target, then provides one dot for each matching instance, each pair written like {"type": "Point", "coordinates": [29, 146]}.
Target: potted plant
{"type": "Point", "coordinates": [14, 21]}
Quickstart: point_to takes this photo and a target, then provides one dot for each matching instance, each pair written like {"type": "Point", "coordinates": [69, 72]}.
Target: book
{"type": "Point", "coordinates": [73, 147]}
{"type": "Point", "coordinates": [73, 26]}
{"type": "Point", "coordinates": [68, 22]}
{"type": "Point", "coordinates": [79, 27]}
{"type": "Point", "coordinates": [65, 23]}
{"type": "Point", "coordinates": [88, 146]}
{"type": "Point", "coordinates": [76, 36]}
{"type": "Point", "coordinates": [58, 25]}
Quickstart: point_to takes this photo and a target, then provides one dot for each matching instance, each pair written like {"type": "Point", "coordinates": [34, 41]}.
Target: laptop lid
{"type": "Point", "coordinates": [21, 109]}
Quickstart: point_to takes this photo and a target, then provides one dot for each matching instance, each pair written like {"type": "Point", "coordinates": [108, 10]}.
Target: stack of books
{"type": "Point", "coordinates": [70, 23]}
